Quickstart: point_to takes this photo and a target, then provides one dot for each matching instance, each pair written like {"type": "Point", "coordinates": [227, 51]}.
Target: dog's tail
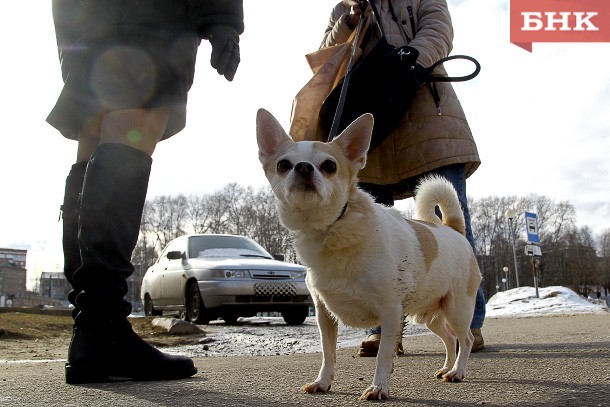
{"type": "Point", "coordinates": [437, 191]}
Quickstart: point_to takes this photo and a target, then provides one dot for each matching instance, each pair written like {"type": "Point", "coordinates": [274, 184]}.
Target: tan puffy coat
{"type": "Point", "coordinates": [424, 140]}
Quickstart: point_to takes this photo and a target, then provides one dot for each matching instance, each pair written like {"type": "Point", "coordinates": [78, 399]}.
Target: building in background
{"type": "Point", "coordinates": [13, 274]}
{"type": "Point", "coordinates": [54, 285]}
{"type": "Point", "coordinates": [53, 288]}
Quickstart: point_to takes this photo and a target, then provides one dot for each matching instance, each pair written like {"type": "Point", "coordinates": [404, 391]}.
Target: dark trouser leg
{"type": "Point", "coordinates": [103, 343]}
{"type": "Point", "coordinates": [69, 214]}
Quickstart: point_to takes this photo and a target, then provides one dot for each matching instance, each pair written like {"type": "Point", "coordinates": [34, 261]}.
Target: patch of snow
{"type": "Point", "coordinates": [522, 302]}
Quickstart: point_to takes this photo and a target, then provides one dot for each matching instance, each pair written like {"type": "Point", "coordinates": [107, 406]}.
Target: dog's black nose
{"type": "Point", "coordinates": [304, 169]}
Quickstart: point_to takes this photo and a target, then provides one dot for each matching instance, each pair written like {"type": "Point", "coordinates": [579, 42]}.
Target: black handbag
{"type": "Point", "coordinates": [384, 83]}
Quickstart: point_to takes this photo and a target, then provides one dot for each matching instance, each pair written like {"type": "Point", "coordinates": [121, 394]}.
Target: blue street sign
{"type": "Point", "coordinates": [531, 227]}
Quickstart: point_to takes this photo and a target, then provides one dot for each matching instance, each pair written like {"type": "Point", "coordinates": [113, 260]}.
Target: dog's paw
{"type": "Point", "coordinates": [441, 372]}
{"type": "Point", "coordinates": [375, 393]}
{"type": "Point", "coordinates": [454, 376]}
{"type": "Point", "coordinates": [316, 387]}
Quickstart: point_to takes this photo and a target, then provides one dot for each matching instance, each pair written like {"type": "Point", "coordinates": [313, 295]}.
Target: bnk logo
{"type": "Point", "coordinates": [559, 21]}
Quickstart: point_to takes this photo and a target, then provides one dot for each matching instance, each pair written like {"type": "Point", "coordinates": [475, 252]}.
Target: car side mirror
{"type": "Point", "coordinates": [279, 257]}
{"type": "Point", "coordinates": [174, 255]}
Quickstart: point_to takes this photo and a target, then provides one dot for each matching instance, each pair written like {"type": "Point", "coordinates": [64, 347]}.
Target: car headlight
{"type": "Point", "coordinates": [230, 274]}
{"type": "Point", "coordinates": [298, 274]}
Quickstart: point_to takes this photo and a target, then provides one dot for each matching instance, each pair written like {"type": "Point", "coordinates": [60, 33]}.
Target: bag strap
{"type": "Point", "coordinates": [378, 18]}
{"type": "Point", "coordinates": [341, 103]}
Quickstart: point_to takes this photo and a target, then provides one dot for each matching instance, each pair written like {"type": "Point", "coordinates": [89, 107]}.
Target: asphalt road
{"type": "Point", "coordinates": [544, 361]}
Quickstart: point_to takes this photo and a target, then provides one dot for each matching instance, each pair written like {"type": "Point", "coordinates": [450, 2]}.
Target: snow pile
{"type": "Point", "coordinates": [522, 302]}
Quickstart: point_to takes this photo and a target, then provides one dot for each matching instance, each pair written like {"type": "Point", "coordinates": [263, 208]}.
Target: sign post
{"type": "Point", "coordinates": [510, 215]}
{"type": "Point", "coordinates": [532, 248]}
{"type": "Point", "coordinates": [531, 226]}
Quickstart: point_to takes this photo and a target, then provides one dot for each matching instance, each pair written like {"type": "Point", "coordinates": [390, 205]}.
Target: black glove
{"type": "Point", "coordinates": [225, 50]}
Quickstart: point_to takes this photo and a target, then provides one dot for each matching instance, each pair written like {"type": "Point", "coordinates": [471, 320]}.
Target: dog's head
{"type": "Point", "coordinates": [311, 176]}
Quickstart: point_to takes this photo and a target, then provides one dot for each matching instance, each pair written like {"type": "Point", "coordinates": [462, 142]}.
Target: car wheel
{"type": "Point", "coordinates": [195, 310]}
{"type": "Point", "coordinates": [295, 316]}
{"type": "Point", "coordinates": [230, 317]}
{"type": "Point", "coordinates": [149, 308]}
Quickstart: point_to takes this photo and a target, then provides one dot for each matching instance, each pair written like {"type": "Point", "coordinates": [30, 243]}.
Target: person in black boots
{"type": "Point", "coordinates": [127, 67]}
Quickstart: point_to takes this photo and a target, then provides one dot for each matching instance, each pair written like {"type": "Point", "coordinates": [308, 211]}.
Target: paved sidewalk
{"type": "Point", "coordinates": [544, 361]}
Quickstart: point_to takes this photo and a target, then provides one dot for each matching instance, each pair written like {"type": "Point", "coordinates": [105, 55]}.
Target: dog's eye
{"type": "Point", "coordinates": [329, 166]}
{"type": "Point", "coordinates": [284, 166]}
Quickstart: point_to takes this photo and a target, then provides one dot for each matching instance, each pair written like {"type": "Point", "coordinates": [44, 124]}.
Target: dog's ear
{"type": "Point", "coordinates": [269, 134]}
{"type": "Point", "coordinates": [356, 138]}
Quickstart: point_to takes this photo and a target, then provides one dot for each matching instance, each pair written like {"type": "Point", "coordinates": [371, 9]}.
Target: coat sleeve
{"type": "Point", "coordinates": [337, 31]}
{"type": "Point", "coordinates": [434, 37]}
{"type": "Point", "coordinates": [209, 13]}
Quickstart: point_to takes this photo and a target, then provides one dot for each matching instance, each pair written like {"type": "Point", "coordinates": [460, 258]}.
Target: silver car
{"type": "Point", "coordinates": [203, 277]}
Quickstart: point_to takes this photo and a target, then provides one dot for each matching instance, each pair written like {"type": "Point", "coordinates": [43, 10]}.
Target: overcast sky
{"type": "Point", "coordinates": [541, 120]}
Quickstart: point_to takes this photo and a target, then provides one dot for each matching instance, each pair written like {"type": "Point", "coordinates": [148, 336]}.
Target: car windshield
{"type": "Point", "coordinates": [225, 246]}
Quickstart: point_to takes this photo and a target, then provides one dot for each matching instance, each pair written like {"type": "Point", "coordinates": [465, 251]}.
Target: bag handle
{"type": "Point", "coordinates": [428, 77]}
{"type": "Point", "coordinates": [437, 78]}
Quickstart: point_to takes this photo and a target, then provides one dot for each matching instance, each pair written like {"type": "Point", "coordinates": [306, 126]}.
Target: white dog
{"type": "Point", "coordinates": [367, 265]}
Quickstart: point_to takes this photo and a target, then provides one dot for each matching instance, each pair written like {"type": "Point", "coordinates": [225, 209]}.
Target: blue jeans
{"type": "Point", "coordinates": [456, 175]}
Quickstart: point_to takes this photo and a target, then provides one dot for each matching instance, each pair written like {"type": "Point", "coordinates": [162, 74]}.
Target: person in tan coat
{"type": "Point", "coordinates": [434, 136]}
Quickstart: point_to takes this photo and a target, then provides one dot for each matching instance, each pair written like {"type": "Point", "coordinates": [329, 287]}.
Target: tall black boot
{"type": "Point", "coordinates": [69, 216]}
{"type": "Point", "coordinates": [104, 345]}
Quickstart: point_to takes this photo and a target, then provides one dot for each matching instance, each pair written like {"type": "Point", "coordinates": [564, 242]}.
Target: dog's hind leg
{"type": "Point", "coordinates": [328, 328]}
{"type": "Point", "coordinates": [438, 325]}
{"type": "Point", "coordinates": [458, 319]}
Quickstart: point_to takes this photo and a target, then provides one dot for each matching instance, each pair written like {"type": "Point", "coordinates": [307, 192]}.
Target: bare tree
{"type": "Point", "coordinates": [197, 212]}
{"type": "Point", "coordinates": [558, 225]}
{"type": "Point", "coordinates": [167, 218]}
{"type": "Point", "coordinates": [491, 244]}
{"type": "Point", "coordinates": [603, 267]}
{"type": "Point", "coordinates": [268, 230]}
{"type": "Point", "coordinates": [216, 214]}
{"type": "Point", "coordinates": [146, 250]}
{"type": "Point", "coordinates": [604, 243]}
{"type": "Point", "coordinates": [233, 198]}
{"type": "Point", "coordinates": [569, 256]}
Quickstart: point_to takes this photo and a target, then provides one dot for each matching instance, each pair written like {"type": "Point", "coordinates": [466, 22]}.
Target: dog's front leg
{"type": "Point", "coordinates": [328, 327]}
{"type": "Point", "coordinates": [391, 331]}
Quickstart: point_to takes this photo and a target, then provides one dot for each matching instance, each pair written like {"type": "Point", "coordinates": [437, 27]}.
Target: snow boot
{"type": "Point", "coordinates": [370, 346]}
{"type": "Point", "coordinates": [478, 343]}
{"type": "Point", "coordinates": [69, 215]}
{"type": "Point", "coordinates": [104, 346]}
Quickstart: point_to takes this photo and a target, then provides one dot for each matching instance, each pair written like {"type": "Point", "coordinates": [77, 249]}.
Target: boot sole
{"type": "Point", "coordinates": [83, 374]}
